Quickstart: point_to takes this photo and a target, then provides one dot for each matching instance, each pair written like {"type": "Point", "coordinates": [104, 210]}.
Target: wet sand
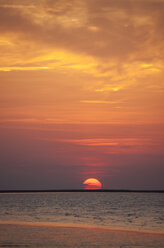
{"type": "Point", "coordinates": [51, 235]}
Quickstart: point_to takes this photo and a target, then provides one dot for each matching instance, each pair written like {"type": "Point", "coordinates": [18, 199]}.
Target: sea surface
{"type": "Point", "coordinates": [129, 211]}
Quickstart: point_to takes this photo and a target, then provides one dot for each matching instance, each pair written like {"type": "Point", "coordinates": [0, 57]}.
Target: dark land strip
{"type": "Point", "coordinates": [82, 191]}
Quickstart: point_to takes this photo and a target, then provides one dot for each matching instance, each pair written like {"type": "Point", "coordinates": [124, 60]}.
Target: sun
{"type": "Point", "coordinates": [92, 183]}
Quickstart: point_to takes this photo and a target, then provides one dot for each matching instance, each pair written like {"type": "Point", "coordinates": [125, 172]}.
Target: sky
{"type": "Point", "coordinates": [81, 93]}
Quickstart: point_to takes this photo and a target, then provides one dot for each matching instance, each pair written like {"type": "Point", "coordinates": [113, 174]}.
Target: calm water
{"type": "Point", "coordinates": [134, 211]}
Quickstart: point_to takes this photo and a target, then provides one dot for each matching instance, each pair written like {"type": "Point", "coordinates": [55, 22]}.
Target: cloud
{"type": "Point", "coordinates": [119, 26]}
{"type": "Point", "coordinates": [114, 145]}
{"type": "Point", "coordinates": [98, 101]}
{"type": "Point", "coordinates": [109, 37]}
{"type": "Point", "coordinates": [104, 51]}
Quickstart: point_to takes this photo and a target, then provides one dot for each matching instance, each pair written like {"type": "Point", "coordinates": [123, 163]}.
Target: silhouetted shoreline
{"type": "Point", "coordinates": [82, 190]}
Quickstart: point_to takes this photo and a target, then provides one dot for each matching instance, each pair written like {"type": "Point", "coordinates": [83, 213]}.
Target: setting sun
{"type": "Point", "coordinates": [92, 183]}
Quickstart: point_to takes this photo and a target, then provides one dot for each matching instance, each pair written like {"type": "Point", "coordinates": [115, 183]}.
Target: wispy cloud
{"type": "Point", "coordinates": [115, 145]}
{"type": "Point", "coordinates": [99, 101]}
{"type": "Point", "coordinates": [23, 68]}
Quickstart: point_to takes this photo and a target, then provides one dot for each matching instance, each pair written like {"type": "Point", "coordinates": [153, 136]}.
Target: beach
{"type": "Point", "coordinates": [52, 235]}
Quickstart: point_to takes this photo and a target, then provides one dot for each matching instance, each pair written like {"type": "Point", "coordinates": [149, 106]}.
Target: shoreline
{"type": "Point", "coordinates": [26, 234]}
{"type": "Point", "coordinates": [79, 226]}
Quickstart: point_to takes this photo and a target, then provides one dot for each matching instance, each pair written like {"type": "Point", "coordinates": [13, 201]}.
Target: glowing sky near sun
{"type": "Point", "coordinates": [82, 93]}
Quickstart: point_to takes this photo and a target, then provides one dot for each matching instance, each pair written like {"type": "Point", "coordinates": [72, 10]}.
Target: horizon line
{"type": "Point", "coordinates": [81, 190]}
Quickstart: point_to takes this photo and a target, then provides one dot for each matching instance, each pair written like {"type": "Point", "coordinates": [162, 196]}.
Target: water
{"type": "Point", "coordinates": [133, 211]}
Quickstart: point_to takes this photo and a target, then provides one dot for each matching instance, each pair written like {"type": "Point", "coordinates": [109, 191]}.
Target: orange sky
{"type": "Point", "coordinates": [81, 89]}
